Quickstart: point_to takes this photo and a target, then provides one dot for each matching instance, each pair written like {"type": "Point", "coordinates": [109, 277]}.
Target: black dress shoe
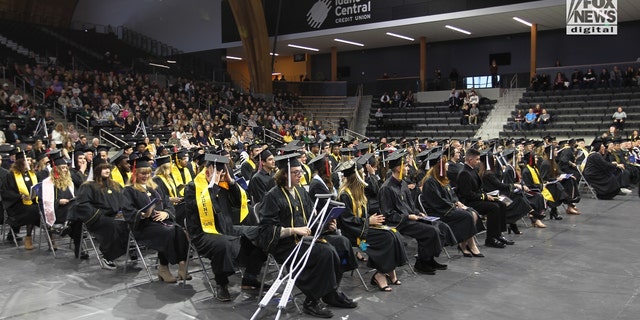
{"type": "Point", "coordinates": [504, 240]}
{"type": "Point", "coordinates": [423, 268]}
{"type": "Point", "coordinates": [494, 243]}
{"type": "Point", "coordinates": [339, 301]}
{"type": "Point", "coordinates": [438, 266]}
{"type": "Point", "coordinates": [222, 294]}
{"type": "Point", "coordinates": [314, 308]}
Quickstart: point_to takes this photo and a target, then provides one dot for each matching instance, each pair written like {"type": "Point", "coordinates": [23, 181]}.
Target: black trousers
{"type": "Point", "coordinates": [495, 213]}
{"type": "Point", "coordinates": [427, 236]}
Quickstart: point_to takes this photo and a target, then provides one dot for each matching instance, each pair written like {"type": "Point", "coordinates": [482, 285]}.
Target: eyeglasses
{"type": "Point", "coordinates": [296, 173]}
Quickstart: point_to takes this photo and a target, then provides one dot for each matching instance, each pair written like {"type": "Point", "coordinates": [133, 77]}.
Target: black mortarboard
{"type": "Point", "coordinates": [433, 159]}
{"type": "Point", "coordinates": [288, 160]}
{"type": "Point", "coordinates": [199, 159]}
{"type": "Point", "coordinates": [141, 142]}
{"type": "Point", "coordinates": [318, 162]}
{"type": "Point", "coordinates": [59, 160]}
{"type": "Point", "coordinates": [617, 140]}
{"type": "Point", "coordinates": [140, 162]}
{"type": "Point", "coordinates": [363, 147]}
{"type": "Point", "coordinates": [508, 153]}
{"type": "Point", "coordinates": [580, 140]}
{"type": "Point", "coordinates": [265, 154]}
{"type": "Point", "coordinates": [550, 150]}
{"type": "Point", "coordinates": [102, 147]}
{"type": "Point", "coordinates": [118, 157]}
{"type": "Point", "coordinates": [395, 159]}
{"type": "Point", "coordinates": [216, 160]}
{"type": "Point", "coordinates": [182, 153]}
{"type": "Point", "coordinates": [162, 160]}
{"type": "Point", "coordinates": [486, 157]}
{"type": "Point", "coordinates": [347, 168]}
{"type": "Point", "coordinates": [346, 151]}
{"type": "Point", "coordinates": [97, 162]}
{"type": "Point", "coordinates": [529, 157]}
{"type": "Point", "coordinates": [13, 150]}
{"type": "Point", "coordinates": [365, 158]}
{"type": "Point", "coordinates": [40, 156]}
{"type": "Point", "coordinates": [289, 148]}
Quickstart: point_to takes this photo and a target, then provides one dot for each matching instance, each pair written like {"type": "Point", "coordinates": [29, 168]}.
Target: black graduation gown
{"type": "Point", "coordinates": [396, 204]}
{"type": "Point", "coordinates": [439, 201]}
{"type": "Point", "coordinates": [225, 248]}
{"type": "Point", "coordinates": [78, 177]}
{"type": "Point", "coordinates": [341, 244]}
{"type": "Point", "coordinates": [471, 193]}
{"type": "Point", "coordinates": [602, 176]}
{"type": "Point", "coordinates": [518, 208]}
{"type": "Point", "coordinates": [453, 171]}
{"type": "Point", "coordinates": [247, 171]}
{"type": "Point", "coordinates": [163, 189]}
{"type": "Point", "coordinates": [371, 192]}
{"type": "Point", "coordinates": [569, 187]}
{"type": "Point", "coordinates": [97, 207]}
{"type": "Point", "coordinates": [166, 236]}
{"type": "Point", "coordinates": [384, 248]}
{"type": "Point", "coordinates": [18, 213]}
{"type": "Point", "coordinates": [556, 189]}
{"type": "Point", "coordinates": [565, 157]}
{"type": "Point", "coordinates": [536, 200]}
{"type": "Point", "coordinates": [260, 184]}
{"type": "Point", "coordinates": [282, 210]}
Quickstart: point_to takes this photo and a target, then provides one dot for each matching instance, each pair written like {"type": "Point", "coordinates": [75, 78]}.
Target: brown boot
{"type": "Point", "coordinates": [182, 271]}
{"type": "Point", "coordinates": [572, 210]}
{"type": "Point", "coordinates": [28, 243]}
{"type": "Point", "coordinates": [165, 274]}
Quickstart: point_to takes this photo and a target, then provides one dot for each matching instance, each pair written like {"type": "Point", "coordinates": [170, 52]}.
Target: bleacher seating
{"type": "Point", "coordinates": [327, 109]}
{"type": "Point", "coordinates": [431, 119]}
{"type": "Point", "coordinates": [578, 112]}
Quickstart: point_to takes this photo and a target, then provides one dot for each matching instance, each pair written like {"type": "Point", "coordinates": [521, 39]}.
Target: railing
{"type": "Point", "coordinates": [357, 106]}
{"type": "Point", "coordinates": [57, 108]}
{"type": "Point", "coordinates": [19, 82]}
{"type": "Point", "coordinates": [223, 109]}
{"type": "Point", "coordinates": [266, 133]}
{"type": "Point", "coordinates": [82, 122]}
{"type": "Point", "coordinates": [110, 138]}
{"type": "Point", "coordinates": [514, 81]}
{"type": "Point", "coordinates": [350, 133]}
{"type": "Point", "coordinates": [147, 44]}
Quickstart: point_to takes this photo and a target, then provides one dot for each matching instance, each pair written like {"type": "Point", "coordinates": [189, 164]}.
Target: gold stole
{"type": "Point", "coordinates": [536, 179]}
{"type": "Point", "coordinates": [116, 175]}
{"type": "Point", "coordinates": [22, 186]}
{"type": "Point", "coordinates": [244, 206]}
{"type": "Point", "coordinates": [176, 173]}
{"type": "Point", "coordinates": [251, 163]}
{"type": "Point", "coordinates": [212, 141]}
{"type": "Point", "coordinates": [205, 206]}
{"type": "Point", "coordinates": [303, 179]}
{"type": "Point", "coordinates": [170, 186]}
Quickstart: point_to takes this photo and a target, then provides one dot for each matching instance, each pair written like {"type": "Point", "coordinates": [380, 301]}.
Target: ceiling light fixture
{"type": "Point", "coordinates": [457, 29]}
{"type": "Point", "coordinates": [349, 42]}
{"type": "Point", "coordinates": [159, 65]}
{"type": "Point", "coordinates": [303, 47]}
{"type": "Point", "coordinates": [274, 54]}
{"type": "Point", "coordinates": [400, 36]}
{"type": "Point", "coordinates": [233, 58]}
{"type": "Point", "coordinates": [171, 61]}
{"type": "Point", "coordinates": [525, 22]}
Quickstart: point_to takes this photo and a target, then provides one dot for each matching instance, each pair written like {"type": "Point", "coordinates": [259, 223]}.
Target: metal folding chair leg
{"type": "Point", "coordinates": [87, 244]}
{"type": "Point", "coordinates": [10, 232]}
{"type": "Point", "coordinates": [132, 242]}
{"type": "Point", "coordinates": [196, 255]}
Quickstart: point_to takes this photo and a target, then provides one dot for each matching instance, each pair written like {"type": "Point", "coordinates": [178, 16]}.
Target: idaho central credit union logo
{"type": "Point", "coordinates": [592, 17]}
{"type": "Point", "coordinates": [318, 13]}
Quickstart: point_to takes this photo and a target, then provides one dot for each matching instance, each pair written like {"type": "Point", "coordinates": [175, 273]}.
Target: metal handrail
{"type": "Point", "coordinates": [57, 108]}
{"type": "Point", "coordinates": [272, 135]}
{"type": "Point", "coordinates": [105, 135]}
{"type": "Point", "coordinates": [354, 134]}
{"type": "Point", "coordinates": [82, 122]}
{"type": "Point", "coordinates": [514, 80]}
{"type": "Point", "coordinates": [35, 93]}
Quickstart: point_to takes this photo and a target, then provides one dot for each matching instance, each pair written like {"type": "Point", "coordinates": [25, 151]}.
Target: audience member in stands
{"type": "Point", "coordinates": [12, 136]}
{"type": "Point", "coordinates": [543, 119]}
{"type": "Point", "coordinates": [395, 99]}
{"type": "Point", "coordinates": [590, 79]}
{"type": "Point", "coordinates": [379, 117]}
{"type": "Point", "coordinates": [518, 119]}
{"type": "Point", "coordinates": [530, 120]}
{"type": "Point", "coordinates": [577, 79]}
{"type": "Point", "coordinates": [385, 100]}
{"type": "Point", "coordinates": [619, 117]}
{"type": "Point", "coordinates": [474, 112]}
{"type": "Point", "coordinates": [453, 100]}
{"type": "Point", "coordinates": [603, 78]}
{"type": "Point", "coordinates": [559, 81]}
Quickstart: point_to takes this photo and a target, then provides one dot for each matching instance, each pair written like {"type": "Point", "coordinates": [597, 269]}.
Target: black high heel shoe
{"type": "Point", "coordinates": [477, 255]}
{"type": "Point", "coordinates": [513, 227]}
{"type": "Point", "coordinates": [374, 282]}
{"type": "Point", "coordinates": [464, 254]}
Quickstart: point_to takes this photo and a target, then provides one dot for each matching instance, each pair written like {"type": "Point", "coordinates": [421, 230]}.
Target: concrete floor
{"type": "Point", "coordinates": [583, 267]}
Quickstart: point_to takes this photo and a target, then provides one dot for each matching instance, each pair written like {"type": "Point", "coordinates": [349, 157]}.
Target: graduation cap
{"type": "Point", "coordinates": [59, 160]}
{"type": "Point", "coordinates": [529, 157]}
{"type": "Point", "coordinates": [432, 159]}
{"type": "Point", "coordinates": [363, 148]}
{"type": "Point", "coordinates": [550, 150]}
{"type": "Point", "coordinates": [319, 163]}
{"type": "Point", "coordinates": [508, 153]}
{"type": "Point", "coordinates": [40, 156]}
{"type": "Point", "coordinates": [347, 151]}
{"type": "Point", "coordinates": [198, 159]}
{"type": "Point", "coordinates": [102, 147]}
{"type": "Point", "coordinates": [347, 168]}
{"type": "Point", "coordinates": [216, 160]}
{"type": "Point", "coordinates": [366, 158]}
{"type": "Point", "coordinates": [163, 160]}
{"type": "Point", "coordinates": [182, 153]}
{"type": "Point", "coordinates": [141, 142]}
{"type": "Point", "coordinates": [265, 154]}
{"type": "Point", "coordinates": [285, 162]}
{"type": "Point", "coordinates": [97, 162]}
{"type": "Point", "coordinates": [118, 157]}
{"type": "Point", "coordinates": [486, 156]}
{"type": "Point", "coordinates": [289, 148]}
{"type": "Point", "coordinates": [139, 162]}
{"type": "Point", "coordinates": [395, 159]}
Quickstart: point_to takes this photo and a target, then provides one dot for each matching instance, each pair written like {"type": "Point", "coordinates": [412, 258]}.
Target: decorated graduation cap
{"type": "Point", "coordinates": [163, 160]}
{"type": "Point", "coordinates": [285, 162]}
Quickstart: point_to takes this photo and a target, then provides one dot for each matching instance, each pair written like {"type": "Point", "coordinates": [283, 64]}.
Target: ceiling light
{"type": "Point", "coordinates": [523, 21]}
{"type": "Point", "coordinates": [159, 65]}
{"type": "Point", "coordinates": [233, 58]}
{"type": "Point", "coordinates": [273, 54]}
{"type": "Point", "coordinates": [302, 47]}
{"type": "Point", "coordinates": [349, 42]}
{"type": "Point", "coordinates": [457, 29]}
{"type": "Point", "coordinates": [400, 36]}
{"type": "Point", "coordinates": [171, 61]}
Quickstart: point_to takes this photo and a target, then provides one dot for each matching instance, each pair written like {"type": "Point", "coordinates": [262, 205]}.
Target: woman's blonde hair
{"type": "Point", "coordinates": [141, 187]}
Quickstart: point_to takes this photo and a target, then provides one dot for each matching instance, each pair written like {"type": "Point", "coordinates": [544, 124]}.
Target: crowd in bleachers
{"type": "Point", "coordinates": [589, 79]}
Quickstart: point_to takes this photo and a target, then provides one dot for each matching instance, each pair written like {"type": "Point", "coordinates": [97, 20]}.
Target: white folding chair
{"type": "Point", "coordinates": [87, 244]}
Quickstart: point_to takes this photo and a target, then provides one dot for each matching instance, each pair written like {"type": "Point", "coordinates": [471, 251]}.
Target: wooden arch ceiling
{"type": "Point", "coordinates": [50, 13]}
{"type": "Point", "coordinates": [252, 26]}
